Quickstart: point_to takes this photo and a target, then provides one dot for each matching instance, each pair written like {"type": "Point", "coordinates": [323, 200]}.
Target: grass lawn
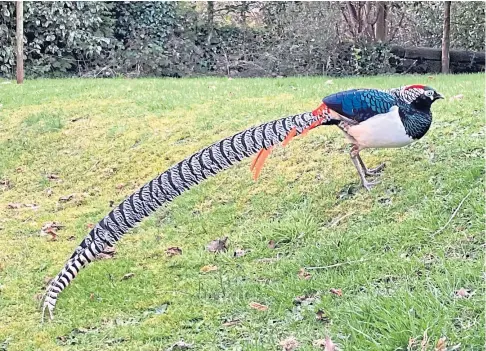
{"type": "Point", "coordinates": [99, 140]}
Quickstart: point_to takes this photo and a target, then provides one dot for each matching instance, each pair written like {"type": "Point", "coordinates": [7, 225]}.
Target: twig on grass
{"type": "Point", "coordinates": [339, 264]}
{"type": "Point", "coordinates": [453, 214]}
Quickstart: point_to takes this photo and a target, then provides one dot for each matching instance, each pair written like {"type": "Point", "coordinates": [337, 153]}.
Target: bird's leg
{"type": "Point", "coordinates": [370, 171]}
{"type": "Point", "coordinates": [359, 167]}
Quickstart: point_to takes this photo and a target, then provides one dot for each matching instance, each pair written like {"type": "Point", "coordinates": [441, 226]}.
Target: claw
{"type": "Point", "coordinates": [375, 171]}
{"type": "Point", "coordinates": [369, 185]}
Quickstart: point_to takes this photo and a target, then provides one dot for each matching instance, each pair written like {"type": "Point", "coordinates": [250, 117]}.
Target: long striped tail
{"type": "Point", "coordinates": [173, 182]}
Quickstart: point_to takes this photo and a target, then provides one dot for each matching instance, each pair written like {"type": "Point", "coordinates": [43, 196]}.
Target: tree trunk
{"type": "Point", "coordinates": [446, 38]}
{"type": "Point", "coordinates": [20, 41]}
{"type": "Point", "coordinates": [380, 28]}
{"type": "Point", "coordinates": [210, 21]}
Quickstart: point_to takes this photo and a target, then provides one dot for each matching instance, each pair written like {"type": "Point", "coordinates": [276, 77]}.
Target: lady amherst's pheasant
{"type": "Point", "coordinates": [369, 118]}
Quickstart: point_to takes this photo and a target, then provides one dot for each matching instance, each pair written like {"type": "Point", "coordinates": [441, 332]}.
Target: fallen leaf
{"type": "Point", "coordinates": [209, 268]}
{"type": "Point", "coordinates": [258, 306]}
{"type": "Point", "coordinates": [329, 82]}
{"type": "Point", "coordinates": [430, 77]}
{"type": "Point", "coordinates": [19, 170]}
{"type": "Point", "coordinates": [32, 206]}
{"type": "Point", "coordinates": [128, 276]}
{"type": "Point", "coordinates": [321, 316]}
{"type": "Point", "coordinates": [90, 225]}
{"type": "Point", "coordinates": [52, 176]}
{"type": "Point", "coordinates": [325, 344]}
{"type": "Point", "coordinates": [303, 274]}
{"type": "Point", "coordinates": [5, 183]}
{"type": "Point", "coordinates": [50, 229]}
{"type": "Point", "coordinates": [91, 296]}
{"type": "Point", "coordinates": [305, 299]}
{"type": "Point", "coordinates": [48, 192]}
{"type": "Point", "coordinates": [289, 344]}
{"type": "Point", "coordinates": [441, 344]}
{"type": "Point", "coordinates": [71, 238]}
{"type": "Point", "coordinates": [463, 293]}
{"type": "Point", "coordinates": [38, 296]}
{"type": "Point", "coordinates": [231, 323]}
{"type": "Point", "coordinates": [173, 251]}
{"type": "Point", "coordinates": [217, 245]}
{"type": "Point", "coordinates": [337, 292]}
{"type": "Point", "coordinates": [239, 253]}
{"type": "Point", "coordinates": [180, 345]}
{"type": "Point", "coordinates": [271, 244]}
{"type": "Point", "coordinates": [120, 186]}
{"type": "Point", "coordinates": [14, 205]}
{"type": "Point", "coordinates": [66, 198]}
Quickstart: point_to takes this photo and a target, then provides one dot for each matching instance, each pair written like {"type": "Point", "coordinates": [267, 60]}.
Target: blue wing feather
{"type": "Point", "coordinates": [360, 104]}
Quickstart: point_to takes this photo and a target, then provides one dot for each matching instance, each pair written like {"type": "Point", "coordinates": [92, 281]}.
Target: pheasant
{"type": "Point", "coordinates": [372, 118]}
{"type": "Point", "coordinates": [368, 117]}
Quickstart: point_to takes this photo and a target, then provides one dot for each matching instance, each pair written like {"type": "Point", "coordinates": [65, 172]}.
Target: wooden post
{"type": "Point", "coordinates": [20, 41]}
{"type": "Point", "coordinates": [446, 38]}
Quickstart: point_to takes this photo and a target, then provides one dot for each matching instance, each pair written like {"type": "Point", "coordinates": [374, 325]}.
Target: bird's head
{"type": "Point", "coordinates": [421, 96]}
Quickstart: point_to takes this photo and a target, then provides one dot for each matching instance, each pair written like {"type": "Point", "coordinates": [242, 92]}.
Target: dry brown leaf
{"type": "Point", "coordinates": [120, 186]}
{"type": "Point", "coordinates": [303, 274]}
{"type": "Point", "coordinates": [50, 229]}
{"type": "Point", "coordinates": [271, 244]}
{"type": "Point", "coordinates": [16, 205]}
{"type": "Point", "coordinates": [258, 306]}
{"type": "Point", "coordinates": [128, 276]}
{"type": "Point", "coordinates": [90, 225]}
{"type": "Point", "coordinates": [239, 253]}
{"type": "Point", "coordinates": [289, 344]}
{"type": "Point", "coordinates": [430, 77]}
{"type": "Point", "coordinates": [209, 268]}
{"type": "Point", "coordinates": [71, 238]}
{"type": "Point", "coordinates": [180, 345]}
{"type": "Point", "coordinates": [66, 198]}
{"type": "Point", "coordinates": [441, 344]}
{"type": "Point", "coordinates": [463, 293]}
{"type": "Point", "coordinates": [91, 296]}
{"type": "Point", "coordinates": [305, 299]}
{"type": "Point", "coordinates": [231, 323]}
{"type": "Point", "coordinates": [325, 344]}
{"type": "Point", "coordinates": [218, 245]}
{"type": "Point", "coordinates": [173, 251]}
{"type": "Point", "coordinates": [337, 292]}
{"type": "Point", "coordinates": [322, 317]}
{"type": "Point", "coordinates": [53, 176]}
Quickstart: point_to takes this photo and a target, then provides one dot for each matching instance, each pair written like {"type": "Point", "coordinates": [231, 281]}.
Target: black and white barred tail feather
{"type": "Point", "coordinates": [173, 182]}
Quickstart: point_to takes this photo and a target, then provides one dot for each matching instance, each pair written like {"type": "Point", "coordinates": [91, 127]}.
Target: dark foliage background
{"type": "Point", "coordinates": [100, 39]}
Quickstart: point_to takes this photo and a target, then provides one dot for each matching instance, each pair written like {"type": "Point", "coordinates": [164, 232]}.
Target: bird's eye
{"type": "Point", "coordinates": [429, 93]}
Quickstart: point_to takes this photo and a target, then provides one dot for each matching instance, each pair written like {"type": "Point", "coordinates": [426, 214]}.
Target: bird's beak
{"type": "Point", "coordinates": [439, 96]}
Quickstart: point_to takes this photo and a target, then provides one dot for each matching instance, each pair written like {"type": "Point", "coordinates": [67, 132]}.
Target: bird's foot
{"type": "Point", "coordinates": [369, 185]}
{"type": "Point", "coordinates": [375, 171]}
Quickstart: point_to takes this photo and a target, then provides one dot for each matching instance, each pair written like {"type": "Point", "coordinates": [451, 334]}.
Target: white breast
{"type": "Point", "coordinates": [381, 131]}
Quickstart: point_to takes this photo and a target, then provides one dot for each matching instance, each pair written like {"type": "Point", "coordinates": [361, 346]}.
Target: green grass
{"type": "Point", "coordinates": [128, 131]}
